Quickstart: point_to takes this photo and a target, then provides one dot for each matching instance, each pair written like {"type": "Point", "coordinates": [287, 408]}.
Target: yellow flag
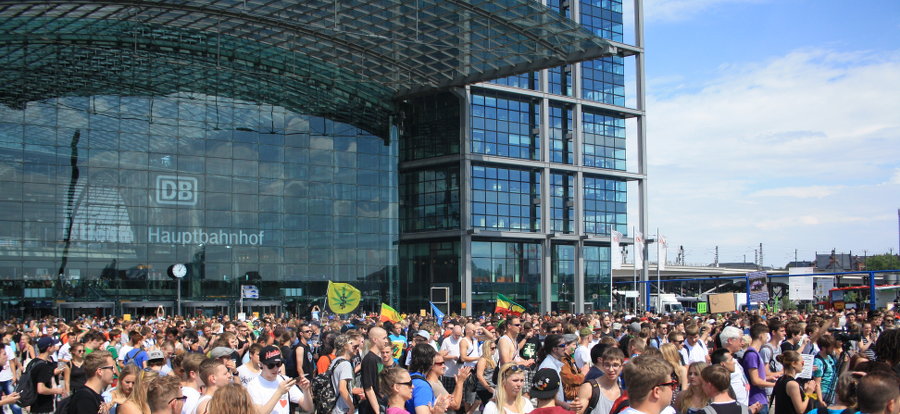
{"type": "Point", "coordinates": [343, 297]}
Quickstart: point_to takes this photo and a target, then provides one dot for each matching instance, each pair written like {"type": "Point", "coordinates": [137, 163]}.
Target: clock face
{"type": "Point", "coordinates": [179, 270]}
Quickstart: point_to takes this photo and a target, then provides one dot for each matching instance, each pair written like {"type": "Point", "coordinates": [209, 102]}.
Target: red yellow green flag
{"type": "Point", "coordinates": [508, 307]}
{"type": "Point", "coordinates": [389, 314]}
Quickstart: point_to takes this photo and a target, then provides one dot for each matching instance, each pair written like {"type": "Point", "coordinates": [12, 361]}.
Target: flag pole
{"type": "Point", "coordinates": [658, 283]}
{"type": "Point", "coordinates": [634, 266]}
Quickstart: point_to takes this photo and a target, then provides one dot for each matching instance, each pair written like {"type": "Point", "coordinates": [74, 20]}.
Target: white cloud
{"type": "Point", "coordinates": [677, 10]}
{"type": "Point", "coordinates": [801, 151]}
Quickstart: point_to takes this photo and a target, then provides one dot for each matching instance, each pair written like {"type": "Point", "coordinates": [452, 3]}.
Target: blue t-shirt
{"type": "Point", "coordinates": [138, 356]}
{"type": "Point", "coordinates": [422, 393]}
{"type": "Point", "coordinates": [826, 372]}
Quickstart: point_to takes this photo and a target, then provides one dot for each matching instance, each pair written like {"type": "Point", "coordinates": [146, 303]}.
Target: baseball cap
{"type": "Point", "coordinates": [635, 326]}
{"type": "Point", "coordinates": [46, 342]}
{"type": "Point", "coordinates": [155, 354]}
{"type": "Point", "coordinates": [585, 332]}
{"type": "Point", "coordinates": [220, 351]}
{"type": "Point", "coordinates": [270, 355]}
{"type": "Point", "coordinates": [617, 325]}
{"type": "Point", "coordinates": [567, 338]}
{"type": "Point", "coordinates": [545, 384]}
{"type": "Point", "coordinates": [424, 334]}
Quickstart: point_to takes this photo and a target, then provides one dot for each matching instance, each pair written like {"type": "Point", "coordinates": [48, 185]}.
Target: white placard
{"type": "Point", "coordinates": [823, 285]}
{"type": "Point", "coordinates": [801, 287]}
{"type": "Point", "coordinates": [808, 362]}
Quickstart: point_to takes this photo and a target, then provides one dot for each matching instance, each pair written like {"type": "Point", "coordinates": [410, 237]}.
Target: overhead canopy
{"type": "Point", "coordinates": [348, 60]}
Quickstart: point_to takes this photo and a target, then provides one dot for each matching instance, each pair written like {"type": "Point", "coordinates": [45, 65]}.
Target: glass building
{"type": "Point", "coordinates": [447, 151]}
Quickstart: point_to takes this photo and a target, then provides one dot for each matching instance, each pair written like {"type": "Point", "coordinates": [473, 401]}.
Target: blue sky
{"type": "Point", "coordinates": [774, 122]}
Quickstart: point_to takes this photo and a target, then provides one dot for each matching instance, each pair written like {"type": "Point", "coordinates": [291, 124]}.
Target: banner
{"type": "Point", "coordinates": [823, 285]}
{"type": "Point", "coordinates": [638, 251]}
{"type": "Point", "coordinates": [615, 252]}
{"type": "Point", "coordinates": [388, 314]}
{"type": "Point", "coordinates": [437, 313]}
{"type": "Point", "coordinates": [701, 308]}
{"type": "Point", "coordinates": [801, 287]}
{"type": "Point", "coordinates": [343, 297]}
{"type": "Point", "coordinates": [662, 252]}
{"type": "Point", "coordinates": [759, 286]}
{"type": "Point", "coordinates": [508, 307]}
{"type": "Point", "coordinates": [249, 292]}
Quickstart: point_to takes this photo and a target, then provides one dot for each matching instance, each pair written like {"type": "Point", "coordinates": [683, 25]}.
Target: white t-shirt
{"type": "Point", "coordinates": [343, 370]}
{"type": "Point", "coordinates": [124, 350]}
{"type": "Point", "coordinates": [246, 375]}
{"type": "Point", "coordinates": [63, 354]}
{"type": "Point", "coordinates": [739, 384]}
{"type": "Point", "coordinates": [582, 356]}
{"type": "Point", "coordinates": [261, 390]}
{"type": "Point", "coordinates": [6, 374]}
{"type": "Point", "coordinates": [696, 353]}
{"type": "Point", "coordinates": [193, 398]}
{"type": "Point", "coordinates": [451, 345]}
{"type": "Point", "coordinates": [491, 408]}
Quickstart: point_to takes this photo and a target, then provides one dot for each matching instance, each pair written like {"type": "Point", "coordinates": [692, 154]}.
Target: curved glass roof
{"type": "Point", "coordinates": [348, 60]}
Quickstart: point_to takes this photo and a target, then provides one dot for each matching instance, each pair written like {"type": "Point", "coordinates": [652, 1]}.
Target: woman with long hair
{"type": "Point", "coordinates": [789, 397]}
{"type": "Point", "coordinates": [74, 374]}
{"type": "Point", "coordinates": [670, 354]}
{"type": "Point", "coordinates": [125, 387]}
{"type": "Point", "coordinates": [484, 372]}
{"type": "Point", "coordinates": [231, 398]}
{"type": "Point", "coordinates": [692, 399]}
{"type": "Point", "coordinates": [137, 401]}
{"type": "Point", "coordinates": [396, 385]}
{"type": "Point", "coordinates": [509, 392]}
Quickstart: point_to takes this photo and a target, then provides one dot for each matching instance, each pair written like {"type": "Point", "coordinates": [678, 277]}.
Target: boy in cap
{"type": "Point", "coordinates": [43, 375]}
{"type": "Point", "coordinates": [272, 392]}
{"type": "Point", "coordinates": [544, 387]}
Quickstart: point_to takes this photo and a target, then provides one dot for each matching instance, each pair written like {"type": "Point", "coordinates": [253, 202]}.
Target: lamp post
{"type": "Point", "coordinates": [177, 271]}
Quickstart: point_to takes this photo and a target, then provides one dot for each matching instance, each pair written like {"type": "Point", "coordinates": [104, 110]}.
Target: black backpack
{"type": "Point", "coordinates": [27, 387]}
{"type": "Point", "coordinates": [595, 395]}
{"type": "Point", "coordinates": [290, 361]}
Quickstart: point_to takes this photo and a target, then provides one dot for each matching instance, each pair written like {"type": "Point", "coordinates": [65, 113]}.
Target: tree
{"type": "Point", "coordinates": [883, 262]}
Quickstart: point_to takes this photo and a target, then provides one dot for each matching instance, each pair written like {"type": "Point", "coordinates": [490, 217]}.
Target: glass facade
{"type": "Point", "coordinates": [102, 194]}
{"type": "Point", "coordinates": [604, 141]}
{"type": "Point", "coordinates": [562, 202]}
{"type": "Point", "coordinates": [506, 126]}
{"type": "Point", "coordinates": [430, 199]}
{"type": "Point", "coordinates": [507, 267]}
{"type": "Point", "coordinates": [605, 206]}
{"type": "Point", "coordinates": [561, 134]}
{"type": "Point", "coordinates": [506, 199]}
{"type": "Point", "coordinates": [597, 276]}
{"type": "Point", "coordinates": [563, 277]}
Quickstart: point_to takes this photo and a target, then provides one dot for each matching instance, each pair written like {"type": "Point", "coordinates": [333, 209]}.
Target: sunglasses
{"type": "Point", "coordinates": [273, 366]}
{"type": "Point", "coordinates": [407, 383]}
{"type": "Point", "coordinates": [182, 398]}
{"type": "Point", "coordinates": [673, 384]}
{"type": "Point", "coordinates": [562, 345]}
{"type": "Point", "coordinates": [439, 363]}
{"type": "Point", "coordinates": [108, 367]}
{"type": "Point", "coordinates": [516, 368]}
{"type": "Point", "coordinates": [516, 324]}
{"type": "Point", "coordinates": [306, 331]}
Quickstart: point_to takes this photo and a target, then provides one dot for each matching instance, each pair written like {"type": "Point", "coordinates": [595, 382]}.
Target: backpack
{"type": "Point", "coordinates": [710, 410]}
{"type": "Point", "coordinates": [595, 395]}
{"type": "Point", "coordinates": [772, 363]}
{"type": "Point", "coordinates": [62, 406]}
{"type": "Point", "coordinates": [325, 394]}
{"type": "Point", "coordinates": [27, 387]}
{"type": "Point", "coordinates": [621, 403]}
{"type": "Point", "coordinates": [290, 361]}
{"type": "Point", "coordinates": [131, 356]}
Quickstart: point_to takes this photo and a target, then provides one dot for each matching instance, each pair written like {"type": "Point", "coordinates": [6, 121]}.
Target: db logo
{"type": "Point", "coordinates": [176, 190]}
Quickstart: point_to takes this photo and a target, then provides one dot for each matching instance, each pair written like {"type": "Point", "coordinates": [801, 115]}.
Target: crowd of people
{"type": "Point", "coordinates": [790, 362]}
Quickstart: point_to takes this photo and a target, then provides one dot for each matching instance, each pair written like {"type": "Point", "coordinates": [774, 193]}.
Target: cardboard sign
{"type": "Point", "coordinates": [722, 302]}
{"type": "Point", "coordinates": [701, 307]}
{"type": "Point", "coordinates": [126, 317]}
{"type": "Point", "coordinates": [422, 312]}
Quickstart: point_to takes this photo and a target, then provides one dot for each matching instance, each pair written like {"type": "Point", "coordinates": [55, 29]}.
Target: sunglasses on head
{"type": "Point", "coordinates": [274, 365]}
{"type": "Point", "coordinates": [516, 368]}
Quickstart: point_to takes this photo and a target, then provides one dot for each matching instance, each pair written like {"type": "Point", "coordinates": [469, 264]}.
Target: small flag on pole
{"type": "Point", "coordinates": [249, 292]}
{"type": "Point", "coordinates": [508, 307]}
{"type": "Point", "coordinates": [662, 252]}
{"type": "Point", "coordinates": [437, 313]}
{"type": "Point", "coordinates": [638, 251]}
{"type": "Point", "coordinates": [389, 314]}
{"type": "Point", "coordinates": [615, 252]}
{"type": "Point", "coordinates": [343, 297]}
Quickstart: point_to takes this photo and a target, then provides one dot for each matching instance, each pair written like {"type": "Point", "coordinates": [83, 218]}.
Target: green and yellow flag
{"type": "Point", "coordinates": [389, 314]}
{"type": "Point", "coordinates": [343, 297]}
{"type": "Point", "coordinates": [508, 307]}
